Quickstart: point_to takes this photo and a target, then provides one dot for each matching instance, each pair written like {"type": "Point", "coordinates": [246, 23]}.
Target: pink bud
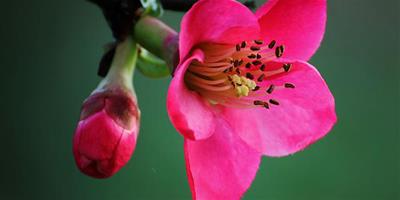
{"type": "Point", "coordinates": [107, 131]}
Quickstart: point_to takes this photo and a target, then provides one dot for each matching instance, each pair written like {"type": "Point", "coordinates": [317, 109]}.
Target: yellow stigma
{"type": "Point", "coordinates": [242, 85]}
{"type": "Point", "coordinates": [236, 79]}
{"type": "Point", "coordinates": [242, 91]}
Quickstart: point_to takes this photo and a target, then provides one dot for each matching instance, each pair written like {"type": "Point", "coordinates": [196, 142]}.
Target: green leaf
{"type": "Point", "coordinates": [152, 66]}
{"type": "Point", "coordinates": [152, 7]}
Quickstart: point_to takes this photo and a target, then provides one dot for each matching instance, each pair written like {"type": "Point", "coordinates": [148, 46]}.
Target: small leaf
{"type": "Point", "coordinates": [152, 66]}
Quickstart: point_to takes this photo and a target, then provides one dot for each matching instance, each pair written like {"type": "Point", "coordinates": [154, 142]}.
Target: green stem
{"type": "Point", "coordinates": [123, 65]}
{"type": "Point", "coordinates": [157, 38]}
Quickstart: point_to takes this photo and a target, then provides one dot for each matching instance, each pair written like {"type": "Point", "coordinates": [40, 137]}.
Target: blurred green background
{"type": "Point", "coordinates": [49, 55]}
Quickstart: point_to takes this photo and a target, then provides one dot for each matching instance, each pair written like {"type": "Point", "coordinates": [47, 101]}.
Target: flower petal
{"type": "Point", "coordinates": [298, 24]}
{"type": "Point", "coordinates": [304, 114]}
{"type": "Point", "coordinates": [107, 134]}
{"type": "Point", "coordinates": [95, 141]}
{"type": "Point", "coordinates": [222, 21]}
{"type": "Point", "coordinates": [125, 149]}
{"type": "Point", "coordinates": [189, 113]}
{"type": "Point", "coordinates": [222, 166]}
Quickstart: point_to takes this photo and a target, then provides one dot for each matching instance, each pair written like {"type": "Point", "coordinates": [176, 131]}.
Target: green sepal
{"type": "Point", "coordinates": [152, 66]}
{"type": "Point", "coordinates": [152, 7]}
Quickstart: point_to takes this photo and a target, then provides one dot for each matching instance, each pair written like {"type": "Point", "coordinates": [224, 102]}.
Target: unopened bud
{"type": "Point", "coordinates": [106, 135]}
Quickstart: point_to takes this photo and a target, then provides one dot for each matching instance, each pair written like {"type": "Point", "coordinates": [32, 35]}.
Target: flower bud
{"type": "Point", "coordinates": [107, 131]}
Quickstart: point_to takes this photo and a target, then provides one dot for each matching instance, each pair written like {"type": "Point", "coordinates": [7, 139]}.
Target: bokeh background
{"type": "Point", "coordinates": [50, 51]}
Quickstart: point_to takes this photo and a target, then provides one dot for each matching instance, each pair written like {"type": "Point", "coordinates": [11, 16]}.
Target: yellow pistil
{"type": "Point", "coordinates": [242, 85]}
{"type": "Point", "coordinates": [242, 91]}
{"type": "Point", "coordinates": [236, 79]}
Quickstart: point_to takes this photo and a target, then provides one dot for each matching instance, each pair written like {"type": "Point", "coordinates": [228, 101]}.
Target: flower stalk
{"type": "Point", "coordinates": [158, 38]}
{"type": "Point", "coordinates": [123, 65]}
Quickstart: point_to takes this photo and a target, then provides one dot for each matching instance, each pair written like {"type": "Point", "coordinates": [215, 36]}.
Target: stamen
{"type": "Point", "coordinates": [212, 87]}
{"type": "Point", "coordinates": [254, 48]}
{"type": "Point", "coordinates": [289, 85]}
{"type": "Point", "coordinates": [270, 89]}
{"type": "Point", "coordinates": [274, 72]}
{"type": "Point", "coordinates": [207, 69]}
{"type": "Point", "coordinates": [214, 64]}
{"type": "Point", "coordinates": [252, 56]}
{"type": "Point", "coordinates": [222, 57]}
{"type": "Point", "coordinates": [205, 81]}
{"type": "Point", "coordinates": [205, 72]}
{"type": "Point", "coordinates": [262, 68]}
{"type": "Point", "coordinates": [258, 103]}
{"type": "Point", "coordinates": [227, 75]}
{"type": "Point", "coordinates": [243, 44]}
{"type": "Point", "coordinates": [261, 78]}
{"type": "Point", "coordinates": [236, 63]}
{"type": "Point", "coordinates": [237, 47]}
{"type": "Point", "coordinates": [259, 42]}
{"type": "Point", "coordinates": [249, 76]}
{"type": "Point", "coordinates": [287, 67]}
{"type": "Point", "coordinates": [273, 101]}
{"type": "Point", "coordinates": [279, 51]}
{"type": "Point", "coordinates": [266, 105]}
{"type": "Point", "coordinates": [238, 71]}
{"type": "Point", "coordinates": [257, 62]}
{"type": "Point", "coordinates": [271, 44]}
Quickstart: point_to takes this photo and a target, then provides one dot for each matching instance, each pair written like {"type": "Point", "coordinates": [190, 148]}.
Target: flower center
{"type": "Point", "coordinates": [235, 75]}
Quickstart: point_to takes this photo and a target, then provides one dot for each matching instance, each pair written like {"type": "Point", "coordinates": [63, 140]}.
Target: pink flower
{"type": "Point", "coordinates": [243, 89]}
{"type": "Point", "coordinates": [107, 131]}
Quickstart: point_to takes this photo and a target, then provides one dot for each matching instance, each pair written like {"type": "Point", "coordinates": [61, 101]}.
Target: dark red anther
{"type": "Point", "coordinates": [252, 56]}
{"type": "Point", "coordinates": [256, 88]}
{"type": "Point", "coordinates": [235, 63]}
{"type": "Point", "coordinates": [249, 76]}
{"type": "Point", "coordinates": [254, 48]}
{"type": "Point", "coordinates": [270, 89]}
{"type": "Point", "coordinates": [289, 85]}
{"type": "Point", "coordinates": [257, 62]}
{"type": "Point", "coordinates": [238, 71]}
{"type": "Point", "coordinates": [273, 101]}
{"type": "Point", "coordinates": [240, 62]}
{"type": "Point", "coordinates": [287, 67]}
{"type": "Point", "coordinates": [243, 44]}
{"type": "Point", "coordinates": [271, 44]}
{"type": "Point", "coordinates": [237, 47]}
{"type": "Point", "coordinates": [261, 78]}
{"type": "Point", "coordinates": [259, 42]}
{"type": "Point", "coordinates": [279, 51]}
{"type": "Point", "coordinates": [262, 68]}
{"type": "Point", "coordinates": [258, 102]}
